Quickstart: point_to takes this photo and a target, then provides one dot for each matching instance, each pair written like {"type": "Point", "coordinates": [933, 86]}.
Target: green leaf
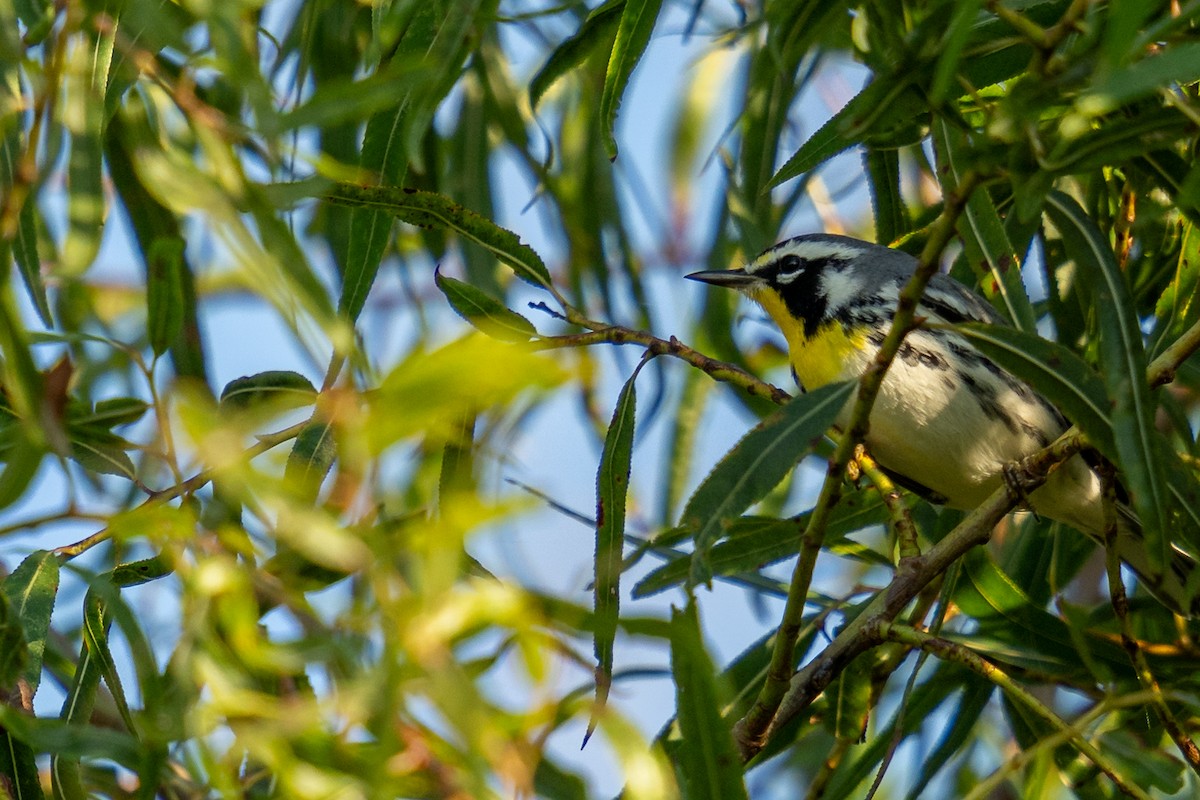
{"type": "Point", "coordinates": [597, 30]}
{"type": "Point", "coordinates": [31, 590]}
{"type": "Point", "coordinates": [985, 241]}
{"type": "Point", "coordinates": [751, 543]}
{"type": "Point", "coordinates": [280, 389]}
{"type": "Point", "coordinates": [1141, 763]}
{"type": "Point", "coordinates": [310, 460]}
{"type": "Point", "coordinates": [633, 34]}
{"type": "Point", "coordinates": [1055, 372]}
{"type": "Point", "coordinates": [1178, 307]}
{"type": "Point", "coordinates": [113, 412]}
{"type": "Point", "coordinates": [428, 208]}
{"type": "Point", "coordinates": [891, 217]}
{"type": "Point", "coordinates": [1138, 444]}
{"type": "Point", "coordinates": [22, 459]}
{"type": "Point", "coordinates": [706, 759]}
{"type": "Point", "coordinates": [24, 244]}
{"type": "Point", "coordinates": [164, 292]}
{"type": "Point", "coordinates": [100, 450]}
{"type": "Point", "coordinates": [1171, 66]}
{"type": "Point", "coordinates": [13, 655]}
{"type": "Point", "coordinates": [484, 311]}
{"type": "Point", "coordinates": [19, 769]}
{"type": "Point", "coordinates": [757, 464]}
{"type": "Point", "coordinates": [612, 486]}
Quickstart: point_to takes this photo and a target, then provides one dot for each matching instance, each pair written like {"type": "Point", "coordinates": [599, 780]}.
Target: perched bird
{"type": "Point", "coordinates": [947, 419]}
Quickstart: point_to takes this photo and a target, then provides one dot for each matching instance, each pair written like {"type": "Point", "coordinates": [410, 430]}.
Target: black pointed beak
{"type": "Point", "coordinates": [729, 278]}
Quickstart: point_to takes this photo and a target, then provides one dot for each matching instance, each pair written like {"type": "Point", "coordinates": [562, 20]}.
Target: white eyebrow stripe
{"type": "Point", "coordinates": [821, 250]}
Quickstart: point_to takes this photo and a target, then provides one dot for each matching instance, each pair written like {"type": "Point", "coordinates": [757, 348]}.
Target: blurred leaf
{"type": "Point", "coordinates": [164, 292]}
{"type": "Point", "coordinates": [1170, 67]}
{"type": "Point", "coordinates": [554, 783]}
{"type": "Point", "coordinates": [24, 244]}
{"type": "Point", "coordinates": [31, 590]}
{"type": "Point", "coordinates": [597, 30]}
{"type": "Point", "coordinates": [83, 115]}
{"type": "Point", "coordinates": [427, 208]}
{"type": "Point", "coordinates": [756, 465]}
{"type": "Point", "coordinates": [276, 389]}
{"type": "Point", "coordinates": [113, 412]}
{"type": "Point", "coordinates": [22, 459]}
{"type": "Point", "coordinates": [426, 394]}
{"type": "Point", "coordinates": [1055, 372]}
{"type": "Point", "coordinates": [633, 34]}
{"type": "Point", "coordinates": [612, 485]}
{"type": "Point", "coordinates": [310, 460]}
{"type": "Point", "coordinates": [1141, 764]}
{"type": "Point", "coordinates": [706, 759]}
{"type": "Point", "coordinates": [99, 450]}
{"type": "Point", "coordinates": [1137, 443]}
{"type": "Point", "coordinates": [484, 312]}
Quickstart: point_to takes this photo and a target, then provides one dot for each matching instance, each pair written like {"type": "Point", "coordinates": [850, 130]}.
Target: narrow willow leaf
{"type": "Point", "coordinates": [280, 388]}
{"type": "Point", "coordinates": [633, 34]}
{"type": "Point", "coordinates": [483, 311]}
{"type": "Point", "coordinates": [100, 450]}
{"type": "Point", "coordinates": [13, 655]}
{"type": "Point", "coordinates": [612, 486]}
{"type": "Point", "coordinates": [985, 241]}
{"type": "Point", "coordinates": [310, 460]}
{"type": "Point", "coordinates": [113, 412]}
{"type": "Point", "coordinates": [429, 208]}
{"type": "Point", "coordinates": [959, 732]}
{"type": "Point", "coordinates": [1178, 64]}
{"type": "Point", "coordinates": [881, 104]}
{"type": "Point", "coordinates": [22, 459]}
{"type": "Point", "coordinates": [752, 543]}
{"type": "Point", "coordinates": [24, 244]}
{"type": "Point", "coordinates": [19, 768]}
{"type": "Point", "coordinates": [1143, 766]}
{"type": "Point", "coordinates": [1178, 308]}
{"type": "Point", "coordinates": [83, 115]}
{"type": "Point", "coordinates": [891, 217]}
{"type": "Point", "coordinates": [597, 31]}
{"type": "Point", "coordinates": [957, 34]}
{"type": "Point", "coordinates": [1056, 373]}
{"type": "Point", "coordinates": [757, 464]}
{"type": "Point", "coordinates": [706, 759]}
{"type": "Point", "coordinates": [153, 223]}
{"type": "Point", "coordinates": [164, 292]}
{"type": "Point", "coordinates": [31, 590]}
{"type": "Point", "coordinates": [1138, 444]}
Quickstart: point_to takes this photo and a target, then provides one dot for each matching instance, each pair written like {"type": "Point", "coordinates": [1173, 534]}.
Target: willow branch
{"type": "Point", "coordinates": [599, 333]}
{"type": "Point", "coordinates": [912, 575]}
{"type": "Point", "coordinates": [957, 653]}
{"type": "Point", "coordinates": [192, 484]}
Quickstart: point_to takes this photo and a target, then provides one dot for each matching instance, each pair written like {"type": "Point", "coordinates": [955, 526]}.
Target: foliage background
{"type": "Point", "coordinates": [320, 581]}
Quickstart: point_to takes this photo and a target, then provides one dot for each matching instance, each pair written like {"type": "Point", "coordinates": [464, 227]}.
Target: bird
{"type": "Point", "coordinates": [947, 421]}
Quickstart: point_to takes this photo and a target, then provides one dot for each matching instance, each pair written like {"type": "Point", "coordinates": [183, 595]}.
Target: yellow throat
{"type": "Point", "coordinates": [816, 360]}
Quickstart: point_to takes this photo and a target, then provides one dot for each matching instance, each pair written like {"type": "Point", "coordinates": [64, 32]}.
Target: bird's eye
{"type": "Point", "coordinates": [790, 267]}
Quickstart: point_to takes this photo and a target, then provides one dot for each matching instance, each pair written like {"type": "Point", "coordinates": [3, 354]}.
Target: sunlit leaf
{"type": "Point", "coordinates": [485, 312]}
{"type": "Point", "coordinates": [31, 590]}
{"type": "Point", "coordinates": [706, 758]}
{"type": "Point", "coordinates": [756, 465]}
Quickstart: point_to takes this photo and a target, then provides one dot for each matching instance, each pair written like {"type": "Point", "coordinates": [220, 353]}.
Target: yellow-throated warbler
{"type": "Point", "coordinates": [947, 419]}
